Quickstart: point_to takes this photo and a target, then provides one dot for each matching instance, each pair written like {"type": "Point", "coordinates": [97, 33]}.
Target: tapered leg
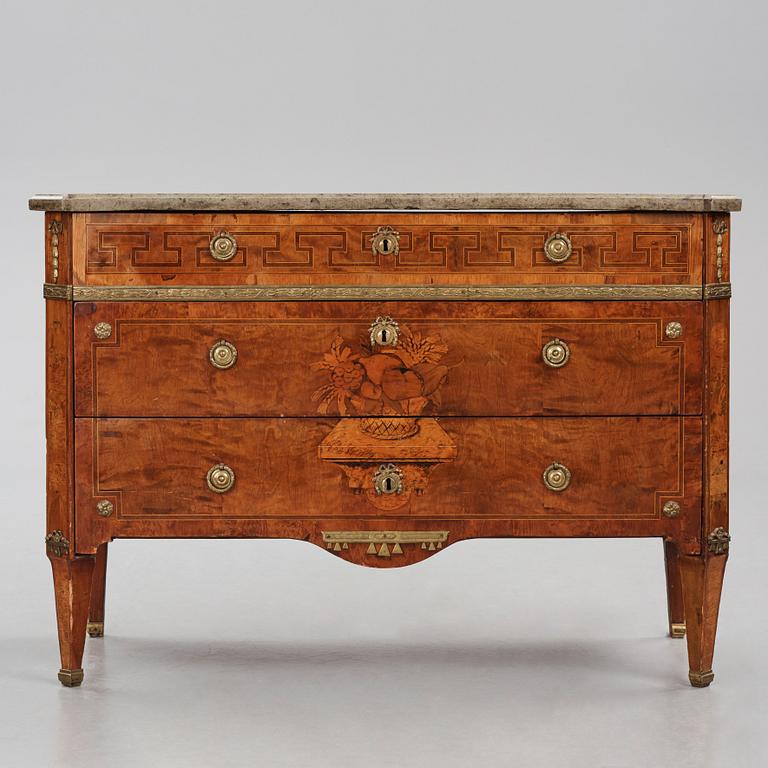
{"type": "Point", "coordinates": [72, 589]}
{"type": "Point", "coordinates": [675, 611]}
{"type": "Point", "coordinates": [702, 584]}
{"type": "Point", "coordinates": [98, 592]}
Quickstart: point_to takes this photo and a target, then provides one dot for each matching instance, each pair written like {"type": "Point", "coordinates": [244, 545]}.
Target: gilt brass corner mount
{"type": "Point", "coordinates": [671, 509]}
{"type": "Point", "coordinates": [673, 330]}
{"type": "Point", "coordinates": [102, 330]}
{"type": "Point", "coordinates": [57, 544]}
{"type": "Point", "coordinates": [719, 541]}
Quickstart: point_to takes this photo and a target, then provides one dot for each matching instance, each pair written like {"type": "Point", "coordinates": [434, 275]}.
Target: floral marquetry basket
{"type": "Point", "coordinates": [389, 382]}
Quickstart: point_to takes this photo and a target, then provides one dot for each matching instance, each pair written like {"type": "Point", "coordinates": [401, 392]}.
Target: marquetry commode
{"type": "Point", "coordinates": [384, 376]}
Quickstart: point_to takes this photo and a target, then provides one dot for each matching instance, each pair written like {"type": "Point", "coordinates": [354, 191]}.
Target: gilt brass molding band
{"type": "Point", "coordinates": [388, 293]}
{"type": "Point", "coordinates": [51, 291]}
{"type": "Point", "coordinates": [717, 291]}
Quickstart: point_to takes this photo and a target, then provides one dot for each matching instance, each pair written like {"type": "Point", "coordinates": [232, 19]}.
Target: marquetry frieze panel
{"type": "Point", "coordinates": [338, 248]}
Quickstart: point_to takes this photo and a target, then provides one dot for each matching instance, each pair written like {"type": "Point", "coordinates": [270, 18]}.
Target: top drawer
{"type": "Point", "coordinates": [387, 249]}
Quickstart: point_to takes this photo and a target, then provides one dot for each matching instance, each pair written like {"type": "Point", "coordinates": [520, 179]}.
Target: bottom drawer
{"type": "Point", "coordinates": [306, 478]}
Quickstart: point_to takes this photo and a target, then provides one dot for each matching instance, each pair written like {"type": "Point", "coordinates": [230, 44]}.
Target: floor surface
{"type": "Point", "coordinates": [495, 653]}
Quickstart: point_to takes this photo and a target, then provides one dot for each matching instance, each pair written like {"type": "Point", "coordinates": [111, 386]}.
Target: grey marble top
{"type": "Point", "coordinates": [460, 201]}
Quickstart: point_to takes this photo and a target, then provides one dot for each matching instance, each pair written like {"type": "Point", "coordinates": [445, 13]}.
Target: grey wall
{"type": "Point", "coordinates": [399, 96]}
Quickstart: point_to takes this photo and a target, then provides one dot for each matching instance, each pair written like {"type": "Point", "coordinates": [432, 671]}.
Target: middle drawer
{"type": "Point", "coordinates": [392, 359]}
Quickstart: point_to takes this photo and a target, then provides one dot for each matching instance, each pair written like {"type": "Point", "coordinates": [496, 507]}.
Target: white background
{"type": "Point", "coordinates": [535, 653]}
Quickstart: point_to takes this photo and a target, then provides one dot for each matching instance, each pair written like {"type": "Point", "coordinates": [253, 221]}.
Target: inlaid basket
{"type": "Point", "coordinates": [389, 428]}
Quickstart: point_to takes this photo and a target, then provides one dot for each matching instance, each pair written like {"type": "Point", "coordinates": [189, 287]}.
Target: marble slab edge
{"type": "Point", "coordinates": [381, 201]}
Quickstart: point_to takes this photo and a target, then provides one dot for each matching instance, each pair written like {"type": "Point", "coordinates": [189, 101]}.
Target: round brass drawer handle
{"type": "Point", "coordinates": [385, 240]}
{"type": "Point", "coordinates": [556, 353]}
{"type": "Point", "coordinates": [557, 477]}
{"type": "Point", "coordinates": [557, 247]}
{"type": "Point", "coordinates": [384, 332]}
{"type": "Point", "coordinates": [387, 479]}
{"type": "Point", "coordinates": [220, 478]}
{"type": "Point", "coordinates": [223, 246]}
{"type": "Point", "coordinates": [223, 354]}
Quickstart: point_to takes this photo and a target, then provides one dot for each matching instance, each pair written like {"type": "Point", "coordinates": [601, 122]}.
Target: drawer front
{"type": "Point", "coordinates": [386, 248]}
{"type": "Point", "coordinates": [465, 359]}
{"type": "Point", "coordinates": [546, 476]}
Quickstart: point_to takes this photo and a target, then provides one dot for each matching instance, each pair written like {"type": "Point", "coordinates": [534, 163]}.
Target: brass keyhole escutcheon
{"type": "Point", "coordinates": [223, 246]}
{"type": "Point", "coordinates": [384, 332]}
{"type": "Point", "coordinates": [556, 353]}
{"type": "Point", "coordinates": [385, 240]}
{"type": "Point", "coordinates": [220, 478]}
{"type": "Point", "coordinates": [388, 479]}
{"type": "Point", "coordinates": [557, 247]}
{"type": "Point", "coordinates": [223, 354]}
{"type": "Point", "coordinates": [557, 477]}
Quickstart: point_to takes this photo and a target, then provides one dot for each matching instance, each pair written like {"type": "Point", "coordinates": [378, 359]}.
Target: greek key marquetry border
{"type": "Point", "coordinates": [388, 293]}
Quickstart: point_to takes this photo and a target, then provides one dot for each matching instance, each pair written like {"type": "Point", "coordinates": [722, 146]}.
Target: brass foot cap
{"type": "Point", "coordinates": [96, 628]}
{"type": "Point", "coordinates": [71, 677]}
{"type": "Point", "coordinates": [675, 630]}
{"type": "Point", "coordinates": [701, 679]}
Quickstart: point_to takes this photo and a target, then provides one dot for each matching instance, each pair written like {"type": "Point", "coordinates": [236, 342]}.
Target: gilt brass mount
{"type": "Point", "coordinates": [677, 629]}
{"type": "Point", "coordinates": [385, 240]}
{"type": "Point", "coordinates": [102, 330]}
{"type": "Point", "coordinates": [718, 541]}
{"type": "Point", "coordinates": [105, 508]}
{"type": "Point", "coordinates": [223, 246]}
{"type": "Point", "coordinates": [220, 478]}
{"type": "Point", "coordinates": [55, 229]}
{"type": "Point", "coordinates": [223, 354]}
{"type": "Point", "coordinates": [673, 330]}
{"type": "Point", "coordinates": [558, 248]}
{"type": "Point", "coordinates": [557, 477]}
{"type": "Point", "coordinates": [720, 227]}
{"type": "Point", "coordinates": [95, 628]}
{"type": "Point", "coordinates": [70, 678]}
{"type": "Point", "coordinates": [388, 479]}
{"type": "Point", "coordinates": [384, 543]}
{"type": "Point", "coordinates": [701, 679]}
{"type": "Point", "coordinates": [386, 292]}
{"type": "Point", "coordinates": [671, 509]}
{"type": "Point", "coordinates": [384, 332]}
{"type": "Point", "coordinates": [556, 353]}
{"type": "Point", "coordinates": [57, 544]}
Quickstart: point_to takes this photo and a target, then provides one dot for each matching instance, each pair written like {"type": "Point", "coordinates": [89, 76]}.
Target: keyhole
{"type": "Point", "coordinates": [385, 245]}
{"type": "Point", "coordinates": [388, 484]}
{"type": "Point", "coordinates": [384, 336]}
